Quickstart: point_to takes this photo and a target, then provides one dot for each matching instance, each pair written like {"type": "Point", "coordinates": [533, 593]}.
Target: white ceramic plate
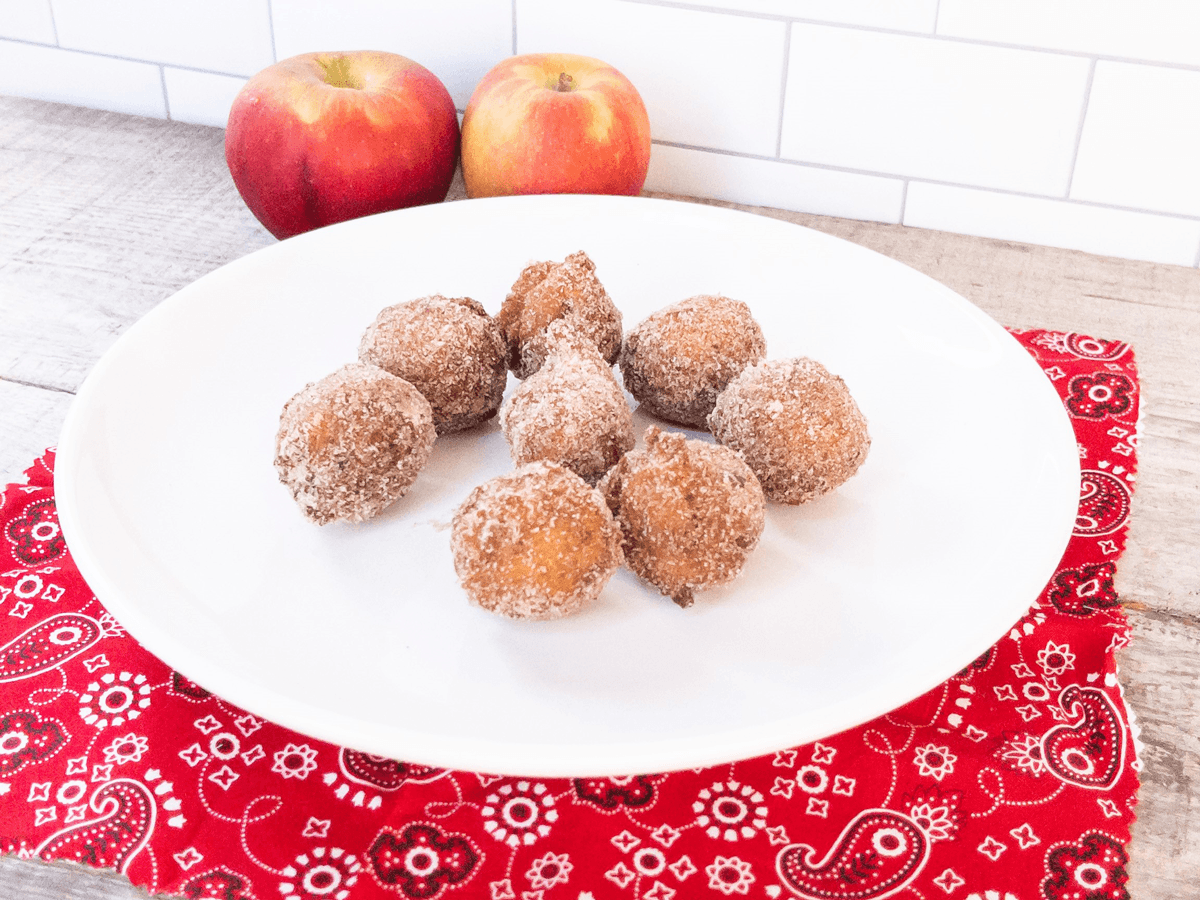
{"type": "Point", "coordinates": [361, 635]}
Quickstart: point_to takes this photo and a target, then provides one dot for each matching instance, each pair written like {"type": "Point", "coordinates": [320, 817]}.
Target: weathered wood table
{"type": "Point", "coordinates": [102, 216]}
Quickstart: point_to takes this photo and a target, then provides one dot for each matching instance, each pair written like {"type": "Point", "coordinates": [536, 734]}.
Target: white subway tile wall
{"type": "Point", "coordinates": [27, 20]}
{"type": "Point", "coordinates": [1141, 141]}
{"type": "Point", "coordinates": [708, 80]}
{"type": "Point", "coordinates": [200, 98]}
{"type": "Point", "coordinates": [82, 79]}
{"type": "Point", "coordinates": [963, 113]}
{"type": "Point", "coordinates": [1070, 123]}
{"type": "Point", "coordinates": [767, 182]}
{"type": "Point", "coordinates": [230, 36]}
{"type": "Point", "coordinates": [1159, 30]}
{"type": "Point", "coordinates": [898, 15]}
{"type": "Point", "coordinates": [1059, 223]}
{"type": "Point", "coordinates": [458, 40]}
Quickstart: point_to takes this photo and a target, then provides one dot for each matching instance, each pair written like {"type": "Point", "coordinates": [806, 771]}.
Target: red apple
{"type": "Point", "coordinates": [554, 123]}
{"type": "Point", "coordinates": [324, 137]}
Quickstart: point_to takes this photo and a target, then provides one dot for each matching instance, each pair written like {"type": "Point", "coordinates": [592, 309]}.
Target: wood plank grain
{"type": "Point", "coordinates": [35, 880]}
{"type": "Point", "coordinates": [30, 423]}
{"type": "Point", "coordinates": [1160, 672]}
{"type": "Point", "coordinates": [104, 219]}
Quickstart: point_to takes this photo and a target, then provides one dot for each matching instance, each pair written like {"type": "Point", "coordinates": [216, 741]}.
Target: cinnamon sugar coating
{"type": "Point", "coordinates": [352, 443]}
{"type": "Point", "coordinates": [449, 349]}
{"type": "Point", "coordinates": [690, 513]}
{"type": "Point", "coordinates": [679, 358]}
{"type": "Point", "coordinates": [796, 426]}
{"type": "Point", "coordinates": [535, 543]}
{"type": "Point", "coordinates": [546, 291]}
{"type": "Point", "coordinates": [571, 410]}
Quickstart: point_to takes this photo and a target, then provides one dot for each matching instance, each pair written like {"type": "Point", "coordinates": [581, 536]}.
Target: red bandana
{"type": "Point", "coordinates": [1015, 778]}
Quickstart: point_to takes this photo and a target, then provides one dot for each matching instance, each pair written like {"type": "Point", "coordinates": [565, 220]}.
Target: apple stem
{"type": "Point", "coordinates": [565, 82]}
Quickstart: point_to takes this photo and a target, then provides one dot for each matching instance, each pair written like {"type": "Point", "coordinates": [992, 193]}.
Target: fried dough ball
{"type": "Point", "coordinates": [352, 443]}
{"type": "Point", "coordinates": [795, 424]}
{"type": "Point", "coordinates": [449, 349]}
{"type": "Point", "coordinates": [571, 410]}
{"type": "Point", "coordinates": [535, 543]}
{"type": "Point", "coordinates": [690, 513]}
{"type": "Point", "coordinates": [546, 291]}
{"type": "Point", "coordinates": [679, 358]}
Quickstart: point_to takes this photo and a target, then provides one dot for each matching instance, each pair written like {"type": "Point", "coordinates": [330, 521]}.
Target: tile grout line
{"type": "Point", "coordinates": [271, 29]}
{"type": "Point", "coordinates": [791, 20]}
{"type": "Point", "coordinates": [921, 35]}
{"type": "Point", "coordinates": [1087, 99]}
{"type": "Point", "coordinates": [1196, 263]}
{"type": "Point", "coordinates": [162, 79]}
{"type": "Point", "coordinates": [514, 27]}
{"type": "Point", "coordinates": [128, 59]}
{"type": "Point", "coordinates": [892, 176]}
{"type": "Point", "coordinates": [53, 22]}
{"type": "Point", "coordinates": [903, 200]}
{"type": "Point", "coordinates": [787, 53]}
{"type": "Point", "coordinates": [937, 14]}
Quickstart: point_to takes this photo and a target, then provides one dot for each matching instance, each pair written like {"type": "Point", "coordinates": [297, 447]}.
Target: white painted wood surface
{"type": "Point", "coordinates": [102, 216]}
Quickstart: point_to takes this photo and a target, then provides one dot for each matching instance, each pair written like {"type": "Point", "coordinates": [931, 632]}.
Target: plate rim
{"type": "Point", "coordinates": [513, 758]}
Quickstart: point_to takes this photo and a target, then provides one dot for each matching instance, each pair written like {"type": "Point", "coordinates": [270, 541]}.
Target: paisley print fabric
{"type": "Point", "coordinates": [1015, 778]}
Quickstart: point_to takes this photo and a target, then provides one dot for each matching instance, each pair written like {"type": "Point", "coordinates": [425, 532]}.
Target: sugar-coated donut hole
{"type": "Point", "coordinates": [449, 349]}
{"type": "Point", "coordinates": [547, 291]}
{"type": "Point", "coordinates": [690, 513]}
{"type": "Point", "coordinates": [795, 424]}
{"type": "Point", "coordinates": [677, 360]}
{"type": "Point", "coordinates": [351, 444]}
{"type": "Point", "coordinates": [571, 410]}
{"type": "Point", "coordinates": [535, 543]}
